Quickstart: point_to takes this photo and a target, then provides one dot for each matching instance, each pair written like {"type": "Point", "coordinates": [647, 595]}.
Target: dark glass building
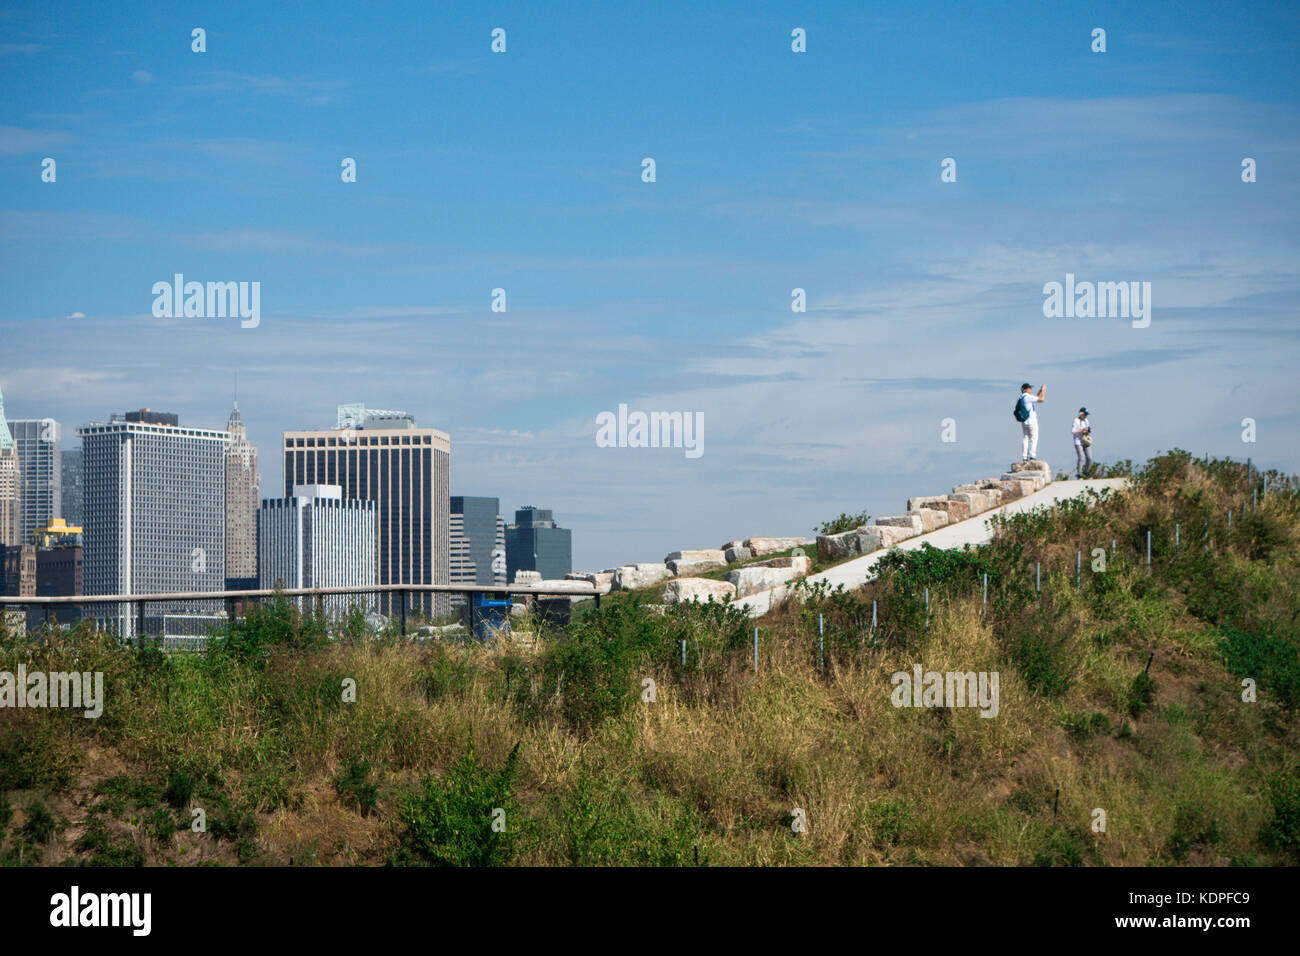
{"type": "Point", "coordinates": [383, 457]}
{"type": "Point", "coordinates": [478, 543]}
{"type": "Point", "coordinates": [534, 543]}
{"type": "Point", "coordinates": [71, 497]}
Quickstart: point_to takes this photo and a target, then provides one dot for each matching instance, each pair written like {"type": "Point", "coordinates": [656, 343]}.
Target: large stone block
{"type": "Point", "coordinates": [600, 579]}
{"type": "Point", "coordinates": [685, 569]}
{"type": "Point", "coordinates": [932, 519]}
{"type": "Point", "coordinates": [1034, 464]}
{"type": "Point", "coordinates": [698, 589]}
{"type": "Point", "coordinates": [957, 509]}
{"type": "Point", "coordinates": [836, 547]}
{"type": "Point", "coordinates": [761, 546]}
{"type": "Point", "coordinates": [977, 500]}
{"type": "Point", "coordinates": [801, 563]}
{"type": "Point", "coordinates": [876, 537]}
{"type": "Point", "coordinates": [1036, 478]}
{"type": "Point", "coordinates": [738, 553]}
{"type": "Point", "coordinates": [637, 576]}
{"type": "Point", "coordinates": [754, 579]}
{"type": "Point", "coordinates": [732, 544]}
{"type": "Point", "coordinates": [908, 521]}
{"type": "Point", "coordinates": [716, 556]}
{"type": "Point", "coordinates": [915, 504]}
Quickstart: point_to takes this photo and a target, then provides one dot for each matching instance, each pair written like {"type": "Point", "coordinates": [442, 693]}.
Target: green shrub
{"type": "Point", "coordinates": [103, 849]}
{"type": "Point", "coordinates": [41, 823]}
{"type": "Point", "coordinates": [180, 788]}
{"type": "Point", "coordinates": [845, 522]}
{"type": "Point", "coordinates": [451, 822]}
{"type": "Point", "coordinates": [1064, 848]}
{"type": "Point", "coordinates": [1082, 726]}
{"type": "Point", "coordinates": [1283, 831]}
{"type": "Point", "coordinates": [1267, 656]}
{"type": "Point", "coordinates": [356, 789]}
{"type": "Point", "coordinates": [600, 826]}
{"type": "Point", "coordinates": [1141, 693]}
{"type": "Point", "coordinates": [1193, 826]}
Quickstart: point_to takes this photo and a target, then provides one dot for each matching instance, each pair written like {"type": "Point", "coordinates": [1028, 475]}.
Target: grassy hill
{"type": "Point", "coordinates": [1122, 692]}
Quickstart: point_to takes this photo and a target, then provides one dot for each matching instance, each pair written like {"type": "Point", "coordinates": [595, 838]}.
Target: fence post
{"type": "Point", "coordinates": [1078, 567]}
{"type": "Point", "coordinates": [1148, 548]}
{"type": "Point", "coordinates": [755, 650]}
{"type": "Point", "coordinates": [683, 652]}
{"type": "Point", "coordinates": [927, 607]}
{"type": "Point", "coordinates": [821, 643]}
{"type": "Point", "coordinates": [986, 592]}
{"type": "Point", "coordinates": [139, 621]}
{"type": "Point", "coordinates": [1229, 519]}
{"type": "Point", "coordinates": [1175, 537]}
{"type": "Point", "coordinates": [1038, 578]}
{"type": "Point", "coordinates": [402, 595]}
{"type": "Point", "coordinates": [873, 617]}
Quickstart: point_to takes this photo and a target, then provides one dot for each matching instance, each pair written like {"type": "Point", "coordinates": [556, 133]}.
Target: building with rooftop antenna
{"type": "Point", "coordinates": [11, 485]}
{"type": "Point", "coordinates": [243, 497]}
{"type": "Point", "coordinates": [382, 456]}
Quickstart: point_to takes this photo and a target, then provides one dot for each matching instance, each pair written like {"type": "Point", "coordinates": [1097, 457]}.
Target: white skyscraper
{"type": "Point", "coordinates": [155, 510]}
{"type": "Point", "coordinates": [316, 538]}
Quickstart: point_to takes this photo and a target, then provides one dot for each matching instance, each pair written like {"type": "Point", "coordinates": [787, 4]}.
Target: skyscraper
{"type": "Point", "coordinates": [41, 464]}
{"type": "Point", "coordinates": [381, 456]}
{"type": "Point", "coordinates": [243, 493]}
{"type": "Point", "coordinates": [71, 497]}
{"type": "Point", "coordinates": [155, 509]}
{"type": "Point", "coordinates": [478, 542]}
{"type": "Point", "coordinates": [534, 543]}
{"type": "Point", "coordinates": [316, 538]}
{"type": "Point", "coordinates": [11, 485]}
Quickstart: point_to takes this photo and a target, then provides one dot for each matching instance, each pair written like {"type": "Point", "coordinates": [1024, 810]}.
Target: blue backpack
{"type": "Point", "coordinates": [1021, 410]}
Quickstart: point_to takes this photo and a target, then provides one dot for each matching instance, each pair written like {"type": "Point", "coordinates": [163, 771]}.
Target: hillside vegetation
{"type": "Point", "coordinates": [1120, 692]}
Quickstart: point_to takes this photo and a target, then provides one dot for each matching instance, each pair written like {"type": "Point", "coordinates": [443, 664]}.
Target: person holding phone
{"type": "Point", "coordinates": [1081, 428]}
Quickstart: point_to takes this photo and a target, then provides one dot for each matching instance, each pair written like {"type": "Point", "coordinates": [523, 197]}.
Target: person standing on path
{"type": "Point", "coordinates": [1028, 419]}
{"type": "Point", "coordinates": [1081, 428]}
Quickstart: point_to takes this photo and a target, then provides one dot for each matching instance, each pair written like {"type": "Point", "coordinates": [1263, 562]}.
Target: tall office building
{"type": "Point", "coordinates": [37, 441]}
{"type": "Point", "coordinates": [154, 519]}
{"type": "Point", "coordinates": [11, 485]}
{"type": "Point", "coordinates": [534, 543]}
{"type": "Point", "coordinates": [71, 481]}
{"type": "Point", "coordinates": [316, 538]}
{"type": "Point", "coordinates": [243, 493]}
{"type": "Point", "coordinates": [478, 542]}
{"type": "Point", "coordinates": [381, 456]}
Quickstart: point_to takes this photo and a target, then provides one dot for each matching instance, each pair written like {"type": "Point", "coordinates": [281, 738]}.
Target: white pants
{"type": "Point", "coordinates": [1029, 441]}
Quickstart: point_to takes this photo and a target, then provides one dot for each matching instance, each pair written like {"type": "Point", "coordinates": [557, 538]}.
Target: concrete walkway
{"type": "Point", "coordinates": [972, 531]}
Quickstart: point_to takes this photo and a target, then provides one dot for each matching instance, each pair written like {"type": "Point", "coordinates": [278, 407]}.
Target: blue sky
{"type": "Point", "coordinates": [775, 170]}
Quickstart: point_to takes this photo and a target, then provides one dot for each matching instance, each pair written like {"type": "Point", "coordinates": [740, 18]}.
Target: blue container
{"type": "Point", "coordinates": [489, 615]}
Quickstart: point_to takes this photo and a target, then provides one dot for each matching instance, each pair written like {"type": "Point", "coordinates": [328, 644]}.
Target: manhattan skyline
{"type": "Point", "coordinates": [775, 171]}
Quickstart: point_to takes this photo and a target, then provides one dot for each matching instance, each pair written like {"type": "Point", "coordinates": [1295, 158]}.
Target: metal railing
{"type": "Point", "coordinates": [573, 589]}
